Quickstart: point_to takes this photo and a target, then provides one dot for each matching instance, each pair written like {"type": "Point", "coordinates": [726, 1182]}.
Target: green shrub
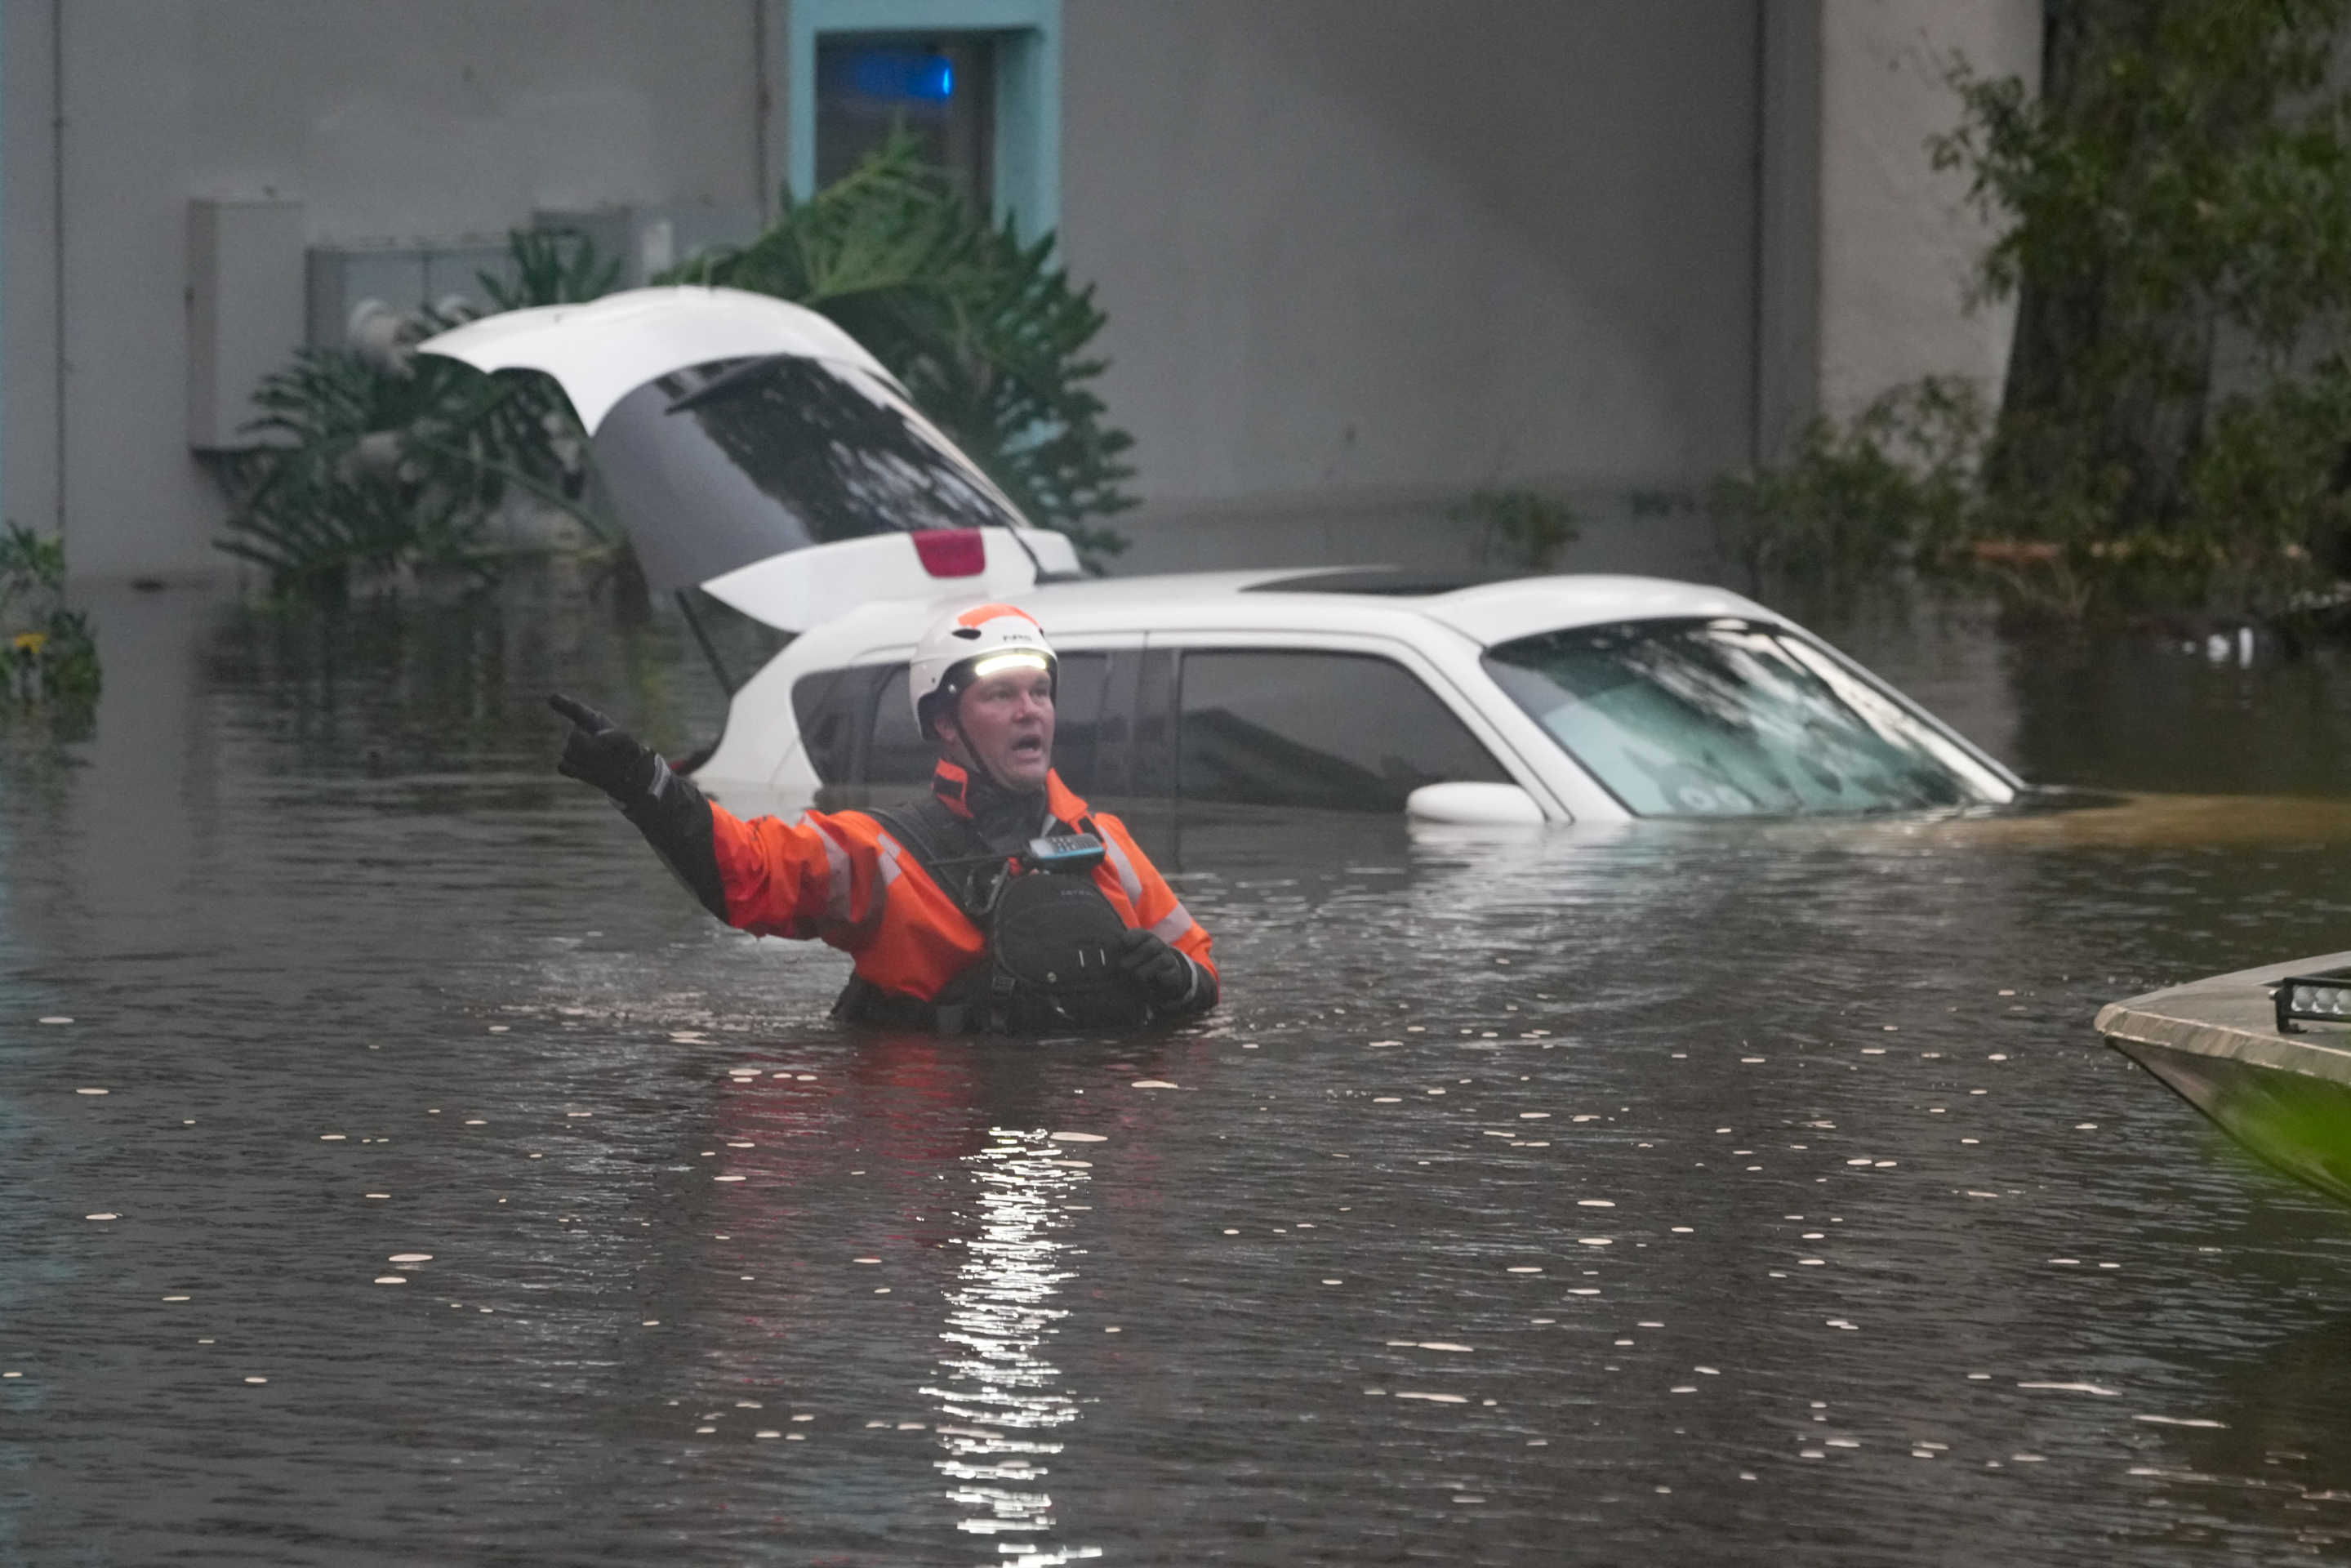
{"type": "Point", "coordinates": [1893, 488]}
{"type": "Point", "coordinates": [2270, 495]}
{"type": "Point", "coordinates": [2175, 187]}
{"type": "Point", "coordinates": [372, 463]}
{"type": "Point", "coordinates": [984, 329]}
{"type": "Point", "coordinates": [48, 660]}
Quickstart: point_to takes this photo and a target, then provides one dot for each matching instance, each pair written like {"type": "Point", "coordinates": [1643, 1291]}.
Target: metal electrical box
{"type": "Point", "coordinates": [245, 312]}
{"type": "Point", "coordinates": [405, 278]}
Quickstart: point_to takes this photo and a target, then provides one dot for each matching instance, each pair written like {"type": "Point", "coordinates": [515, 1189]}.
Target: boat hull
{"type": "Point", "coordinates": [2285, 1097]}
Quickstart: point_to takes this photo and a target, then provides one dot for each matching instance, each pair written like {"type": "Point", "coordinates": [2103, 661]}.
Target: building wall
{"type": "Point", "coordinates": [1898, 245]}
{"type": "Point", "coordinates": [28, 365]}
{"type": "Point", "coordinates": [426, 120]}
{"type": "Point", "coordinates": [1359, 259]}
{"type": "Point", "coordinates": [1788, 247]}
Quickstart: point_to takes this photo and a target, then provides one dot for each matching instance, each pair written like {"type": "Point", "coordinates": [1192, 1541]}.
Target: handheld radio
{"type": "Point", "coordinates": [1063, 852]}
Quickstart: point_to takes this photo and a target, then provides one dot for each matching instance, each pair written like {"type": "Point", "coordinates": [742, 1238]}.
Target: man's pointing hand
{"type": "Point", "coordinates": [602, 753]}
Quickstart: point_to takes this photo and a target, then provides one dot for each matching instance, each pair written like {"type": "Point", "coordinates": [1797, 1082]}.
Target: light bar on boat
{"type": "Point", "coordinates": [2322, 998]}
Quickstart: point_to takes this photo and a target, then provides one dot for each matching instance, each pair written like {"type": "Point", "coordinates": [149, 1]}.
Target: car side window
{"type": "Point", "coordinates": [900, 753]}
{"type": "Point", "coordinates": [1077, 693]}
{"type": "Point", "coordinates": [831, 708]}
{"type": "Point", "coordinates": [1345, 731]}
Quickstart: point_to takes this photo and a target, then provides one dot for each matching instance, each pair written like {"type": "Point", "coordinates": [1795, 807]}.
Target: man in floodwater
{"type": "Point", "coordinates": [997, 904]}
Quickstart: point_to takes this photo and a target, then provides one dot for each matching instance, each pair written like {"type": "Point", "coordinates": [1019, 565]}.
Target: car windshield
{"type": "Point", "coordinates": [737, 460]}
{"type": "Point", "coordinates": [1719, 717]}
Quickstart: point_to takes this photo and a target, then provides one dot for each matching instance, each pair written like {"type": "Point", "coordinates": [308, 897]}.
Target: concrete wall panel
{"type": "Point", "coordinates": [1898, 245]}
{"type": "Point", "coordinates": [434, 118]}
{"type": "Point", "coordinates": [1788, 263]}
{"type": "Point", "coordinates": [134, 501]}
{"type": "Point", "coordinates": [28, 326]}
{"type": "Point", "coordinates": [1352, 252]}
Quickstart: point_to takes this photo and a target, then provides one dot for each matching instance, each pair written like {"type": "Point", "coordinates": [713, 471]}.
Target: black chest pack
{"type": "Point", "coordinates": [1053, 939]}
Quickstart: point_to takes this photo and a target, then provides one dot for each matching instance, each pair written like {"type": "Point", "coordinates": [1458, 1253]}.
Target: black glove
{"type": "Point", "coordinates": [602, 753]}
{"type": "Point", "coordinates": [1161, 974]}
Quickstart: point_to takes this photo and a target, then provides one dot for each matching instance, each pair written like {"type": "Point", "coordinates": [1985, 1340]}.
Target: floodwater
{"type": "Point", "coordinates": [402, 1168]}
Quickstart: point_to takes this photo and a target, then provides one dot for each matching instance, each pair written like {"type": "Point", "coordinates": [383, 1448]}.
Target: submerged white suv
{"type": "Point", "coordinates": [1598, 697]}
{"type": "Point", "coordinates": [757, 455]}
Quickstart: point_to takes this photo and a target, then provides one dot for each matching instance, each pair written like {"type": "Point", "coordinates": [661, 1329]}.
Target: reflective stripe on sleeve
{"type": "Point", "coordinates": [891, 869]}
{"type": "Point", "coordinates": [1192, 984]}
{"type": "Point", "coordinates": [1126, 877]}
{"type": "Point", "coordinates": [837, 878]}
{"type": "Point", "coordinates": [1173, 923]}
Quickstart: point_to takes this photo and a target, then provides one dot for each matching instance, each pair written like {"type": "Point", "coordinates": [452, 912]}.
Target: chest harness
{"type": "Point", "coordinates": [1051, 966]}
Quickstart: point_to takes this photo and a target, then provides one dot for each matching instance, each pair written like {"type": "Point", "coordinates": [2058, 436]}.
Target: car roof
{"type": "Point", "coordinates": [1485, 613]}
{"type": "Point", "coordinates": [1290, 599]}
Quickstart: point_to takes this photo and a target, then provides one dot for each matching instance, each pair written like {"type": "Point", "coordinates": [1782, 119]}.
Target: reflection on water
{"type": "Point", "coordinates": [1731, 1192]}
{"type": "Point", "coordinates": [2270, 1466]}
{"type": "Point", "coordinates": [1004, 1399]}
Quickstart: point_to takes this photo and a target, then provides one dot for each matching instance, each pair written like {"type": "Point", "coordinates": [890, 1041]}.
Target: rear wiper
{"type": "Point", "coordinates": [726, 381]}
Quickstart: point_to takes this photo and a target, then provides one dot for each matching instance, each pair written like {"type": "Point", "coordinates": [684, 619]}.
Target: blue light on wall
{"type": "Point", "coordinates": [900, 73]}
{"type": "Point", "coordinates": [1025, 109]}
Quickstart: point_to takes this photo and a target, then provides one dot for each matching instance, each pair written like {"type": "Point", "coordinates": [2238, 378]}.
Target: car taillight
{"type": "Point", "coordinates": [951, 552]}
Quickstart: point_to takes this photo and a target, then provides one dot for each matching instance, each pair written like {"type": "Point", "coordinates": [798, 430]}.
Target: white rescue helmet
{"type": "Point", "coordinates": [970, 645]}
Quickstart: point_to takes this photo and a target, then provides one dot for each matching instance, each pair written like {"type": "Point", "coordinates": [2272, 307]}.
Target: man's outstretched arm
{"type": "Point", "coordinates": [812, 878]}
{"type": "Point", "coordinates": [674, 816]}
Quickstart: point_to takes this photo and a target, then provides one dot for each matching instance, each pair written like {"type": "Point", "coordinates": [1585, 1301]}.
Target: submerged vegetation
{"type": "Point", "coordinates": [1894, 486]}
{"type": "Point", "coordinates": [49, 661]}
{"type": "Point", "coordinates": [382, 460]}
{"type": "Point", "coordinates": [2174, 428]}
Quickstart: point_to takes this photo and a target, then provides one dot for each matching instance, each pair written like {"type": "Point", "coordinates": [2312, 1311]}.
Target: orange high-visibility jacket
{"type": "Point", "coordinates": [841, 878]}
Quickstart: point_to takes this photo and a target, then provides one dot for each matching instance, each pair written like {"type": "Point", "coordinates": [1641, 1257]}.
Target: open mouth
{"type": "Point", "coordinates": [1029, 746]}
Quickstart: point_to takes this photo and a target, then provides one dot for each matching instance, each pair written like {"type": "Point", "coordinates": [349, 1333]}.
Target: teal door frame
{"type": "Point", "coordinates": [1027, 110]}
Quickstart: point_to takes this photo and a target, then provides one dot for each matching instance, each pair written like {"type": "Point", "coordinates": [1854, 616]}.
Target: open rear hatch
{"type": "Point", "coordinates": [755, 451]}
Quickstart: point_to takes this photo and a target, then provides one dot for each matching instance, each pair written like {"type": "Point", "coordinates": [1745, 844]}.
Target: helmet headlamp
{"type": "Point", "coordinates": [1017, 659]}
